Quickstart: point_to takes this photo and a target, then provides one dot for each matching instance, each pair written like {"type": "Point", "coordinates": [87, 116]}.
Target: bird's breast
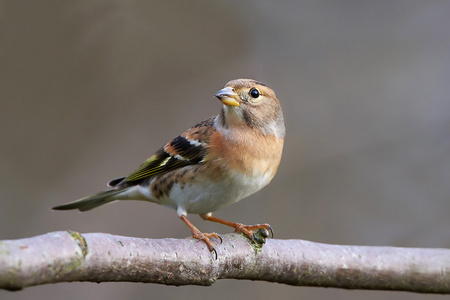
{"type": "Point", "coordinates": [253, 155]}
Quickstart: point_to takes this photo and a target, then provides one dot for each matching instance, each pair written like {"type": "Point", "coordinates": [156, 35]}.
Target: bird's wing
{"type": "Point", "coordinates": [187, 149]}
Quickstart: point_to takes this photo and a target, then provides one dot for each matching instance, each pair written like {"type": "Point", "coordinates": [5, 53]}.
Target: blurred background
{"type": "Point", "coordinates": [90, 88]}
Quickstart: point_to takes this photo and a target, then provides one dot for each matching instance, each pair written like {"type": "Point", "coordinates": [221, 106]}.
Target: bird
{"type": "Point", "coordinates": [215, 163]}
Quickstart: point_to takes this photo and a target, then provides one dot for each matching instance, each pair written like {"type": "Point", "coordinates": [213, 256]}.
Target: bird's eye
{"type": "Point", "coordinates": [254, 93]}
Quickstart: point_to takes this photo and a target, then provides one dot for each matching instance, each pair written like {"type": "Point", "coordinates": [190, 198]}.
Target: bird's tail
{"type": "Point", "coordinates": [93, 201]}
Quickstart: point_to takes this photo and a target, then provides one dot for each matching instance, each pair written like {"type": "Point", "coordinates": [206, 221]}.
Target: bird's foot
{"type": "Point", "coordinates": [249, 230]}
{"type": "Point", "coordinates": [205, 237]}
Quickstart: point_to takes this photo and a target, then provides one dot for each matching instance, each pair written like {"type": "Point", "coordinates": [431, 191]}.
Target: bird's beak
{"type": "Point", "coordinates": [228, 96]}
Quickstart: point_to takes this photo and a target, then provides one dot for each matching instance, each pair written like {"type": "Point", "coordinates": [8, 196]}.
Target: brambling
{"type": "Point", "coordinates": [219, 161]}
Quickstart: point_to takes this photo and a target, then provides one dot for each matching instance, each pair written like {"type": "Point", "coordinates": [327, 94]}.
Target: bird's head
{"type": "Point", "coordinates": [248, 102]}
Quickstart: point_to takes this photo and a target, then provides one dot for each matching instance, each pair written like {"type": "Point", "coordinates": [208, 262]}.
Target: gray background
{"type": "Point", "coordinates": [89, 89]}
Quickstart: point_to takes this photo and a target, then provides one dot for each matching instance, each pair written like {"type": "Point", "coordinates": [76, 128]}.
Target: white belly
{"type": "Point", "coordinates": [210, 195]}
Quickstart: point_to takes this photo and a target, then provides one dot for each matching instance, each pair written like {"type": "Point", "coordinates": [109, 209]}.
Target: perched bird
{"type": "Point", "coordinates": [219, 161]}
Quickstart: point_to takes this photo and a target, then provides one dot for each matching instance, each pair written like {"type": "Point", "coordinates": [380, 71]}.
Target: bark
{"type": "Point", "coordinates": [97, 257]}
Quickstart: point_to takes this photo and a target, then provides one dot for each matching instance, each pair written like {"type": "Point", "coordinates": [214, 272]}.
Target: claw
{"type": "Point", "coordinates": [271, 230]}
{"type": "Point", "coordinates": [220, 238]}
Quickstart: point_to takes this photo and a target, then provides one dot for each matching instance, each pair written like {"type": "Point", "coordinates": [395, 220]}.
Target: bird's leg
{"type": "Point", "coordinates": [238, 227]}
{"type": "Point", "coordinates": [197, 234]}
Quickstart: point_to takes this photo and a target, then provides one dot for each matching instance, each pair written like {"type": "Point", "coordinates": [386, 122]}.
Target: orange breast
{"type": "Point", "coordinates": [247, 151]}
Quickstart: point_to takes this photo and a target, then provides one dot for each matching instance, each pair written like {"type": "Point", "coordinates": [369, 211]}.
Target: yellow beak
{"type": "Point", "coordinates": [228, 96]}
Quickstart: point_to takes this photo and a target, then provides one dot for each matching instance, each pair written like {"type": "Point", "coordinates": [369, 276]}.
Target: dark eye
{"type": "Point", "coordinates": [254, 93]}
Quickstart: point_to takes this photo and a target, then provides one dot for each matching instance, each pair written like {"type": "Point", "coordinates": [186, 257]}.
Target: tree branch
{"type": "Point", "coordinates": [97, 257]}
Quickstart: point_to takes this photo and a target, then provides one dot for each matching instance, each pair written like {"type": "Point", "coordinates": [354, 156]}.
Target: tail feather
{"type": "Point", "coordinates": [91, 202]}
